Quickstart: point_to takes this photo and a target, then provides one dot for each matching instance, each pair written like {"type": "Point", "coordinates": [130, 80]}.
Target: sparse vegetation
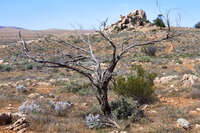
{"type": "Point", "coordinates": [5, 68]}
{"type": "Point", "coordinates": [145, 59]}
{"type": "Point", "coordinates": [138, 86]}
{"type": "Point", "coordinates": [126, 109]}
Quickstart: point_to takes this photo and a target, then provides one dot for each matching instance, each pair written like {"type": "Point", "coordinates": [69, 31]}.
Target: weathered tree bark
{"type": "Point", "coordinates": [102, 97]}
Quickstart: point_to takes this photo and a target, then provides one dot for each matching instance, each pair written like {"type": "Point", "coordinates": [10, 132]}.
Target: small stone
{"type": "Point", "coordinates": [197, 126]}
{"type": "Point", "coordinates": [176, 89]}
{"type": "Point", "coordinates": [198, 109]}
{"type": "Point", "coordinates": [43, 84]}
{"type": "Point", "coordinates": [10, 108]}
{"type": "Point", "coordinates": [85, 104]}
{"type": "Point", "coordinates": [193, 112]}
{"type": "Point", "coordinates": [159, 96]}
{"type": "Point", "coordinates": [52, 81]}
{"type": "Point", "coordinates": [141, 128]}
{"type": "Point", "coordinates": [153, 111]}
{"type": "Point", "coordinates": [51, 95]}
{"type": "Point", "coordinates": [33, 95]}
{"type": "Point", "coordinates": [181, 122]}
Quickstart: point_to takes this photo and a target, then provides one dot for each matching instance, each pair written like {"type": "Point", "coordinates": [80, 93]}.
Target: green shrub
{"type": "Point", "coordinates": [29, 66]}
{"type": "Point", "coordinates": [138, 85]}
{"type": "Point", "coordinates": [8, 68]}
{"type": "Point", "coordinates": [145, 59]}
{"type": "Point", "coordinates": [197, 25]}
{"type": "Point", "coordinates": [39, 66]}
{"type": "Point", "coordinates": [159, 21]}
{"type": "Point", "coordinates": [5, 68]}
{"type": "Point", "coordinates": [126, 109]}
{"type": "Point", "coordinates": [1, 67]}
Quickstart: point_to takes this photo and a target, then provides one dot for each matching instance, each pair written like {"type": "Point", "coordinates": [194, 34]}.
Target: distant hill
{"type": "Point", "coordinates": [9, 35]}
{"type": "Point", "coordinates": [2, 27]}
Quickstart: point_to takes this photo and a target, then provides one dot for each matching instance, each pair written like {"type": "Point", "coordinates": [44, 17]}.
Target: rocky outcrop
{"type": "Point", "coordinates": [131, 21]}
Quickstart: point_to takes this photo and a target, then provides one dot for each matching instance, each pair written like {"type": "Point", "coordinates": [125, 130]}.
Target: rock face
{"type": "Point", "coordinates": [132, 20]}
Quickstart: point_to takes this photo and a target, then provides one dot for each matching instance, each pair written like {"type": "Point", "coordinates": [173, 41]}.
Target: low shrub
{"type": "Point", "coordinates": [126, 109]}
{"type": "Point", "coordinates": [5, 68]}
{"type": "Point", "coordinates": [149, 50]}
{"type": "Point", "coordinates": [29, 67]}
{"type": "Point", "coordinates": [145, 59]}
{"type": "Point", "coordinates": [21, 89]}
{"type": "Point", "coordinates": [138, 85]}
{"type": "Point", "coordinates": [28, 107]}
{"type": "Point", "coordinates": [45, 106]}
{"type": "Point", "coordinates": [93, 121]}
{"type": "Point", "coordinates": [62, 107]}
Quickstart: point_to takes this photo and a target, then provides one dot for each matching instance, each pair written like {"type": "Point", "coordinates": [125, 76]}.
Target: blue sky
{"type": "Point", "coordinates": [62, 14]}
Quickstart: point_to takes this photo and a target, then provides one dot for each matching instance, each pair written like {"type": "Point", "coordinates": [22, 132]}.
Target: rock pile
{"type": "Point", "coordinates": [131, 21]}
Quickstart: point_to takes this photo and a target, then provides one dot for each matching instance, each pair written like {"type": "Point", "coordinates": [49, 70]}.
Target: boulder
{"type": "Point", "coordinates": [189, 80]}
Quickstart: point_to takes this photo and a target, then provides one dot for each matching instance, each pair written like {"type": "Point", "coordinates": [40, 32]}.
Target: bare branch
{"type": "Point", "coordinates": [111, 43]}
{"type": "Point", "coordinates": [74, 46]}
{"type": "Point", "coordinates": [23, 42]}
{"type": "Point", "coordinates": [54, 64]}
{"type": "Point", "coordinates": [98, 66]}
{"type": "Point", "coordinates": [145, 43]}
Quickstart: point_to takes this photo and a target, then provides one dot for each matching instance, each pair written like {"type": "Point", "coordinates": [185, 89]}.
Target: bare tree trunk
{"type": "Point", "coordinates": [102, 97]}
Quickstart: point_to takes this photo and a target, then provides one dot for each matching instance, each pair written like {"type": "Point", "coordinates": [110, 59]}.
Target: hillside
{"type": "Point", "coordinates": [10, 34]}
{"type": "Point", "coordinates": [177, 97]}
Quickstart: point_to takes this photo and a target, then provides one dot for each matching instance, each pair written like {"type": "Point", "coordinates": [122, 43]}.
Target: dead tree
{"type": "Point", "coordinates": [99, 77]}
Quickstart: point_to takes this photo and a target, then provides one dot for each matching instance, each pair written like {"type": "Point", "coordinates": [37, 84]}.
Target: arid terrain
{"type": "Point", "coordinates": [10, 35]}
{"type": "Point", "coordinates": [177, 85]}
